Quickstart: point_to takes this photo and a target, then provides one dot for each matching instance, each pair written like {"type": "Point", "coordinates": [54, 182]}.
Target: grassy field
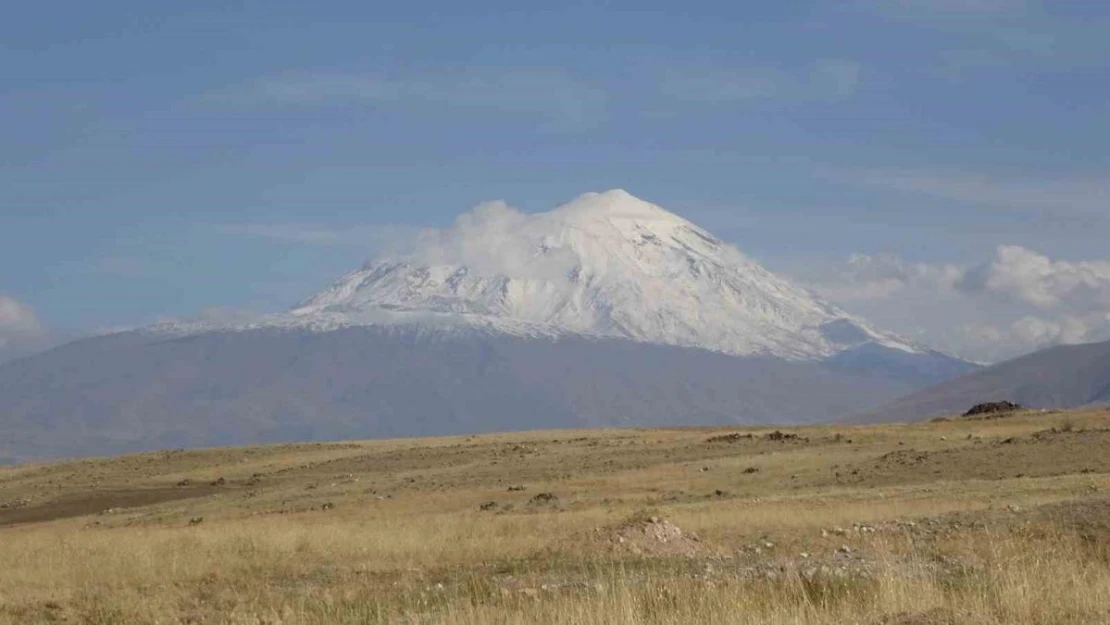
{"type": "Point", "coordinates": [996, 521]}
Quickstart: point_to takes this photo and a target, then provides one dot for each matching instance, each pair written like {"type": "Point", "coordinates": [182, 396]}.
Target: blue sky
{"type": "Point", "coordinates": [159, 160]}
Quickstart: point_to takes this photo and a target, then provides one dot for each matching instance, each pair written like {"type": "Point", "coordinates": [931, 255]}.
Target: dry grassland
{"type": "Point", "coordinates": [995, 521]}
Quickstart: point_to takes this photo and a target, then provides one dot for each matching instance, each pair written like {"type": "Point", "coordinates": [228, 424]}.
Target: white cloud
{"type": "Point", "coordinates": [1014, 273]}
{"type": "Point", "coordinates": [21, 331]}
{"type": "Point", "coordinates": [494, 238]}
{"type": "Point", "coordinates": [18, 321]}
{"type": "Point", "coordinates": [1008, 339]}
{"type": "Point", "coordinates": [552, 94]}
{"type": "Point", "coordinates": [1044, 332]}
{"type": "Point", "coordinates": [1036, 279]}
{"type": "Point", "coordinates": [825, 79]}
{"type": "Point", "coordinates": [865, 277]}
{"type": "Point", "coordinates": [1013, 303]}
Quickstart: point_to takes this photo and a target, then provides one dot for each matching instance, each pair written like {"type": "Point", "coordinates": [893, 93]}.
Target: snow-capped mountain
{"type": "Point", "coordinates": [606, 265]}
{"type": "Point", "coordinates": [605, 311]}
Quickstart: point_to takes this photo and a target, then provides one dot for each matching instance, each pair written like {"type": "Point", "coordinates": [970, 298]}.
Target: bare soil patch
{"type": "Point", "coordinates": [649, 536]}
{"type": "Point", "coordinates": [1046, 453]}
{"type": "Point", "coordinates": [939, 616]}
{"type": "Point", "coordinates": [97, 502]}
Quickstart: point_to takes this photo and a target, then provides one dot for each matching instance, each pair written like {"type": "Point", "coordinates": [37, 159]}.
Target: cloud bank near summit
{"type": "Point", "coordinates": [1017, 301]}
{"type": "Point", "coordinates": [491, 238]}
{"type": "Point", "coordinates": [21, 330]}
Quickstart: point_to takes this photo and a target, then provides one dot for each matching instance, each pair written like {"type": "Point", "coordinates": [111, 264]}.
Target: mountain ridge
{"type": "Point", "coordinates": [140, 391]}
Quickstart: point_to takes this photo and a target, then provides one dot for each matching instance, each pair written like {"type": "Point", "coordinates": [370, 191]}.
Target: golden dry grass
{"type": "Point", "coordinates": [1001, 521]}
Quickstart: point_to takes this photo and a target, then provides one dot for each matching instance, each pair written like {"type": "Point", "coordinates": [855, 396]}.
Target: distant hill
{"type": "Point", "coordinates": [141, 391]}
{"type": "Point", "coordinates": [1067, 376]}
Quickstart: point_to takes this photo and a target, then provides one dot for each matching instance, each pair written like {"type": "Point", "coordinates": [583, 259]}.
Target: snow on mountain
{"type": "Point", "coordinates": [606, 265]}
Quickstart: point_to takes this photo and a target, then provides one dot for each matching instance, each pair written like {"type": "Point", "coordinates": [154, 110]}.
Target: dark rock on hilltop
{"type": "Point", "coordinates": [993, 407]}
{"type": "Point", "coordinates": [782, 437]}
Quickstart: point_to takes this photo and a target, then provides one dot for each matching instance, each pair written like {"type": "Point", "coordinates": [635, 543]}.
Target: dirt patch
{"type": "Point", "coordinates": [544, 499]}
{"type": "Point", "coordinates": [96, 503]}
{"type": "Point", "coordinates": [734, 437]}
{"type": "Point", "coordinates": [649, 536]}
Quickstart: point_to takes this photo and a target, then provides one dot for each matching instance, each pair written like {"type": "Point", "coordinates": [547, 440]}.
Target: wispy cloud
{"type": "Point", "coordinates": [951, 7]}
{"type": "Point", "coordinates": [18, 320]}
{"type": "Point", "coordinates": [1019, 43]}
{"type": "Point", "coordinates": [872, 277]}
{"type": "Point", "coordinates": [21, 330]}
{"type": "Point", "coordinates": [825, 79]}
{"type": "Point", "coordinates": [973, 36]}
{"type": "Point", "coordinates": [358, 235]}
{"type": "Point", "coordinates": [1074, 196]}
{"type": "Point", "coordinates": [553, 95]}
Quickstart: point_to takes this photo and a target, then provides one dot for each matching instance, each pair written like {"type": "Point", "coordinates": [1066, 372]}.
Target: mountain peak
{"type": "Point", "coordinates": [614, 203]}
{"type": "Point", "coordinates": [612, 199]}
{"type": "Point", "coordinates": [616, 194]}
